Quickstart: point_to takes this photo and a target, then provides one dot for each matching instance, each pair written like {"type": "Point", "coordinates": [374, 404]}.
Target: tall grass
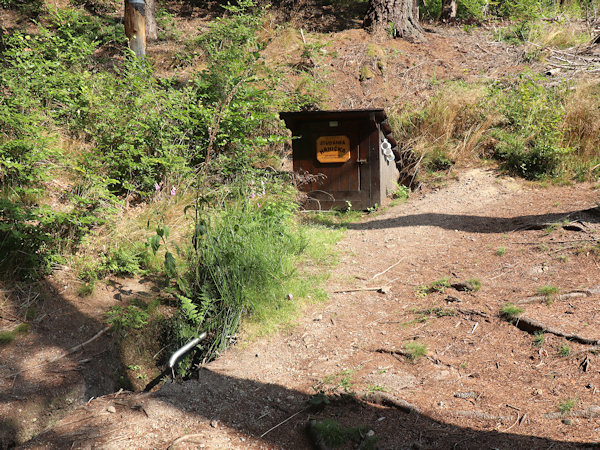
{"type": "Point", "coordinates": [581, 127]}
{"type": "Point", "coordinates": [244, 264]}
{"type": "Point", "coordinates": [534, 128]}
{"type": "Point", "coordinates": [449, 127]}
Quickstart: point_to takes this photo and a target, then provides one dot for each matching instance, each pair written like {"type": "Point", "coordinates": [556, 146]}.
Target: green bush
{"type": "Point", "coordinates": [141, 139]}
{"type": "Point", "coordinates": [238, 122]}
{"type": "Point", "coordinates": [41, 86]}
{"type": "Point", "coordinates": [531, 141]}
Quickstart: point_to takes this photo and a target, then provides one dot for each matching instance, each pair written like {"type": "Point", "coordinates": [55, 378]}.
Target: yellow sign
{"type": "Point", "coordinates": [333, 149]}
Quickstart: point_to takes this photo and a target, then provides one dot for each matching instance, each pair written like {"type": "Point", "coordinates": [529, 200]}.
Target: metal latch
{"type": "Point", "coordinates": [361, 161]}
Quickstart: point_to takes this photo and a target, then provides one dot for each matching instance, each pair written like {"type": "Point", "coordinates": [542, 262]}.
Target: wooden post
{"type": "Point", "coordinates": [135, 26]}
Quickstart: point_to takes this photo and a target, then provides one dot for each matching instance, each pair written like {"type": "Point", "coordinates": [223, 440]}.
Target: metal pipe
{"type": "Point", "coordinates": [183, 350]}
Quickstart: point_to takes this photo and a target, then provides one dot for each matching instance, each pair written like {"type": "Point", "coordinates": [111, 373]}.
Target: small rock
{"type": "Point", "coordinates": [34, 419]}
{"type": "Point", "coordinates": [567, 421]}
{"type": "Point", "coordinates": [465, 395]}
{"type": "Point", "coordinates": [370, 433]}
{"type": "Point", "coordinates": [451, 299]}
{"type": "Point", "coordinates": [111, 409]}
{"type": "Point", "coordinates": [214, 423]}
{"type": "Point", "coordinates": [318, 318]}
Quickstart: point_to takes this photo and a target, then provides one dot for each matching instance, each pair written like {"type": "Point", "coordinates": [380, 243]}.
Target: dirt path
{"type": "Point", "coordinates": [482, 383]}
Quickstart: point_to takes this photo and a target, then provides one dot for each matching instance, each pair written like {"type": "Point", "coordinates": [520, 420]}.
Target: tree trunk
{"type": "Point", "coordinates": [135, 26]}
{"type": "Point", "coordinates": [396, 18]}
{"type": "Point", "coordinates": [448, 10]}
{"type": "Point", "coordinates": [151, 28]}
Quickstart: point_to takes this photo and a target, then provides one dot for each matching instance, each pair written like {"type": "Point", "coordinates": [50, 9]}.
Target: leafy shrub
{"type": "Point", "coordinates": [131, 317]}
{"type": "Point", "coordinates": [126, 260]}
{"type": "Point", "coordinates": [330, 433]}
{"type": "Point", "coordinates": [239, 118]}
{"type": "Point", "coordinates": [530, 143]}
{"type": "Point", "coordinates": [40, 85]}
{"type": "Point", "coordinates": [539, 339]}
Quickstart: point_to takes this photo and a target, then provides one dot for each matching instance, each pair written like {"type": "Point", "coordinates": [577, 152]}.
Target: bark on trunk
{"type": "Point", "coordinates": [135, 26]}
{"type": "Point", "coordinates": [151, 28]}
{"type": "Point", "coordinates": [396, 18]}
{"type": "Point", "coordinates": [448, 10]}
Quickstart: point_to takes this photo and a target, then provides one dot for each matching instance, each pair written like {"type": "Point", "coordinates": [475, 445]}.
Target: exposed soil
{"type": "Point", "coordinates": [483, 382]}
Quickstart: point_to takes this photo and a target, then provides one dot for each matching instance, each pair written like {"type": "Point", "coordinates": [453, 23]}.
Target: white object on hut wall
{"type": "Point", "coordinates": [386, 149]}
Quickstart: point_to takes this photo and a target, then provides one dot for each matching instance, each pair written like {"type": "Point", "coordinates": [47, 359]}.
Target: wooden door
{"type": "Point", "coordinates": [338, 183]}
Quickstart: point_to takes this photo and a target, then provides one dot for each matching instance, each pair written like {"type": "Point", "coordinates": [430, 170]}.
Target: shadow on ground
{"type": "Point", "coordinates": [479, 224]}
{"type": "Point", "coordinates": [251, 408]}
{"type": "Point", "coordinates": [36, 388]}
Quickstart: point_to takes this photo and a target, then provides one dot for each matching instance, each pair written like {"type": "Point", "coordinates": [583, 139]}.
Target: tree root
{"type": "Point", "coordinates": [471, 312]}
{"type": "Point", "coordinates": [566, 296]}
{"type": "Point", "coordinates": [531, 326]}
{"type": "Point", "coordinates": [185, 437]}
{"type": "Point", "coordinates": [588, 413]}
{"type": "Point", "coordinates": [395, 353]}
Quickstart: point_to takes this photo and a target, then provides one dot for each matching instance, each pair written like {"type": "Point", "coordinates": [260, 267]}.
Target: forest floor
{"type": "Point", "coordinates": [482, 383]}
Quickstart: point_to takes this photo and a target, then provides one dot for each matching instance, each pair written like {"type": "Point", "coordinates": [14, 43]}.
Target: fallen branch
{"type": "Point", "coordinates": [62, 355]}
{"type": "Point", "coordinates": [471, 312]}
{"type": "Point", "coordinates": [555, 242]}
{"type": "Point", "coordinates": [282, 422]}
{"type": "Point", "coordinates": [5, 313]}
{"type": "Point", "coordinates": [531, 326]}
{"type": "Point", "coordinates": [377, 289]}
{"type": "Point", "coordinates": [588, 413]}
{"type": "Point", "coordinates": [388, 269]}
{"type": "Point", "coordinates": [480, 415]}
{"type": "Point", "coordinates": [384, 399]}
{"type": "Point", "coordinates": [77, 347]}
{"type": "Point", "coordinates": [594, 349]}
